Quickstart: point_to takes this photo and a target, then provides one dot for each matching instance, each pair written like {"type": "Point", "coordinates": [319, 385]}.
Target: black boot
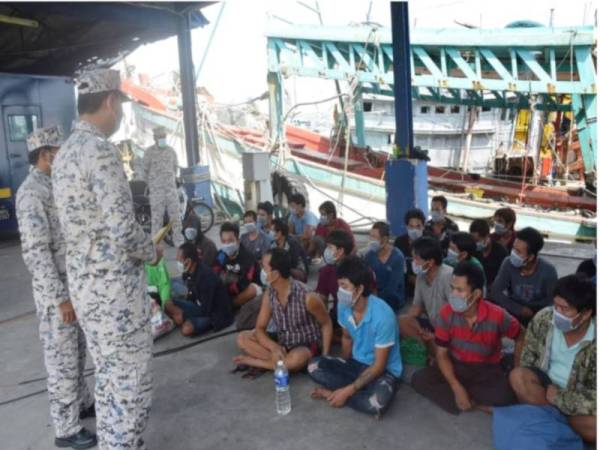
{"type": "Point", "coordinates": [85, 413]}
{"type": "Point", "coordinates": [79, 441]}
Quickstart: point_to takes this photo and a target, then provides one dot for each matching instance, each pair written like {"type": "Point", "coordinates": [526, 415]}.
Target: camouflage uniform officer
{"type": "Point", "coordinates": [43, 248]}
{"type": "Point", "coordinates": [160, 170]}
{"type": "Point", "coordinates": [106, 250]}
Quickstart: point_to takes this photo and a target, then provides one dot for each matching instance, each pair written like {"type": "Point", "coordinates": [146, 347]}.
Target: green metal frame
{"type": "Point", "coordinates": [499, 68]}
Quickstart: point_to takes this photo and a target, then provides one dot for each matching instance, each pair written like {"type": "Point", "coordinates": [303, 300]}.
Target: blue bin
{"type": "Point", "coordinates": [196, 181]}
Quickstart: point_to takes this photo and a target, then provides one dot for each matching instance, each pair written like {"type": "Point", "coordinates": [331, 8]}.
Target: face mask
{"type": "Point", "coordinates": [458, 304]}
{"type": "Point", "coordinates": [190, 234]}
{"type": "Point", "coordinates": [264, 278]}
{"type": "Point", "coordinates": [230, 249]}
{"type": "Point", "coordinates": [162, 142]}
{"type": "Point", "coordinates": [437, 216]}
{"type": "Point", "coordinates": [414, 233]}
{"type": "Point", "coordinates": [452, 257]}
{"type": "Point", "coordinates": [564, 323]}
{"type": "Point", "coordinates": [417, 269]}
{"type": "Point", "coordinates": [345, 297]}
{"type": "Point", "coordinates": [374, 245]}
{"type": "Point", "coordinates": [329, 256]}
{"type": "Point", "coordinates": [500, 228]}
{"type": "Point", "coordinates": [323, 220]}
{"type": "Point", "coordinates": [272, 234]}
{"type": "Point", "coordinates": [481, 246]}
{"type": "Point", "coordinates": [248, 228]}
{"type": "Point", "coordinates": [180, 266]}
{"type": "Point", "coordinates": [516, 260]}
{"type": "Point", "coordinates": [262, 221]}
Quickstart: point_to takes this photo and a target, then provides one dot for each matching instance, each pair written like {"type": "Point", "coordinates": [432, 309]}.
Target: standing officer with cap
{"type": "Point", "coordinates": [160, 169]}
{"type": "Point", "coordinates": [43, 248]}
{"type": "Point", "coordinates": [106, 250]}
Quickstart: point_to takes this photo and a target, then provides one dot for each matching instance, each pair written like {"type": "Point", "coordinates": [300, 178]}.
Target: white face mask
{"type": "Point", "coordinates": [190, 234]}
{"type": "Point", "coordinates": [180, 266]}
{"type": "Point", "coordinates": [162, 142]}
{"type": "Point", "coordinates": [414, 233]}
{"type": "Point", "coordinates": [230, 249]}
{"type": "Point", "coordinates": [346, 298]}
{"type": "Point", "coordinates": [329, 256]}
{"type": "Point", "coordinates": [264, 278]}
{"type": "Point", "coordinates": [248, 228]}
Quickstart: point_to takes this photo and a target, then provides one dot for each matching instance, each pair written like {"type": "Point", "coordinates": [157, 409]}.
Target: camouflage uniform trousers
{"type": "Point", "coordinates": [123, 389]}
{"type": "Point", "coordinates": [162, 200]}
{"type": "Point", "coordinates": [64, 354]}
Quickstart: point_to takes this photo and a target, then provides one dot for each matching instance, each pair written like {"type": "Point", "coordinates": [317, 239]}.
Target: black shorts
{"type": "Point", "coordinates": [545, 380]}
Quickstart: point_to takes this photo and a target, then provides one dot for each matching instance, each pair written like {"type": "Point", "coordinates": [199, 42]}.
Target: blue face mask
{"type": "Point", "coordinates": [231, 248]}
{"type": "Point", "coordinates": [248, 228]}
{"type": "Point", "coordinates": [162, 142]}
{"type": "Point", "coordinates": [516, 260]}
{"type": "Point", "coordinates": [417, 269]}
{"type": "Point", "coordinates": [437, 216]}
{"type": "Point", "coordinates": [452, 258]}
{"type": "Point", "coordinates": [481, 246]}
{"type": "Point", "coordinates": [329, 256]}
{"type": "Point", "coordinates": [500, 228]}
{"type": "Point", "coordinates": [414, 233]}
{"type": "Point", "coordinates": [564, 323]}
{"type": "Point", "coordinates": [345, 297]}
{"type": "Point", "coordinates": [374, 245]}
{"type": "Point", "coordinates": [458, 304]}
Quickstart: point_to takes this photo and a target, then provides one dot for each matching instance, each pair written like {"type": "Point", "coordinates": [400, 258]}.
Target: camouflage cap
{"type": "Point", "coordinates": [100, 80]}
{"type": "Point", "coordinates": [45, 137]}
{"type": "Point", "coordinates": [159, 131]}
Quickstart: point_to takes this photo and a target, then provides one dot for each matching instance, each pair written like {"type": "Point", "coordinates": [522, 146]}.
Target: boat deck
{"type": "Point", "coordinates": [199, 404]}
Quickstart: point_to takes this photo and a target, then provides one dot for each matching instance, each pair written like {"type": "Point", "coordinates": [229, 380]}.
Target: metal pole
{"type": "Point", "coordinates": [402, 82]}
{"type": "Point", "coordinates": [188, 89]}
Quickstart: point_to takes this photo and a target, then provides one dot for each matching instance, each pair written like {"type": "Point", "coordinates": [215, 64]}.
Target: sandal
{"type": "Point", "coordinates": [254, 373]}
{"type": "Point", "coordinates": [240, 368]}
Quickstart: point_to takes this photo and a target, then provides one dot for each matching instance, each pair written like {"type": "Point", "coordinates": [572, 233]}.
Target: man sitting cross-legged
{"type": "Point", "coordinates": [558, 363]}
{"type": "Point", "coordinates": [302, 322]}
{"type": "Point", "coordinates": [468, 335]}
{"type": "Point", "coordinates": [366, 376]}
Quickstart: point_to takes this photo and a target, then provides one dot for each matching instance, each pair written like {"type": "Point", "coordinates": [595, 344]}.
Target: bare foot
{"type": "Point", "coordinates": [241, 360]}
{"type": "Point", "coordinates": [320, 394]}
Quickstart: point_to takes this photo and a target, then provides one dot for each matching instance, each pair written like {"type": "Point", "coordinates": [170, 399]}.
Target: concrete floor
{"type": "Point", "coordinates": [198, 404]}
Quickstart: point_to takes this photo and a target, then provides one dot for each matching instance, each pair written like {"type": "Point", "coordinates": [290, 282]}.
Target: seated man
{"type": "Point", "coordinates": [328, 222]}
{"type": "Point", "coordinates": [525, 282]}
{"type": "Point", "coordinates": [297, 253]}
{"type": "Point", "coordinates": [206, 248]}
{"type": "Point", "coordinates": [264, 218]}
{"type": "Point", "coordinates": [236, 267]}
{"type": "Point", "coordinates": [468, 335]}
{"type": "Point", "coordinates": [339, 245]}
{"type": "Point", "coordinates": [440, 226]}
{"type": "Point", "coordinates": [303, 325]}
{"type": "Point", "coordinates": [432, 291]}
{"type": "Point", "coordinates": [414, 219]}
{"type": "Point", "coordinates": [367, 374]}
{"type": "Point", "coordinates": [254, 239]}
{"type": "Point", "coordinates": [558, 362]}
{"type": "Point", "coordinates": [504, 228]}
{"type": "Point", "coordinates": [302, 221]}
{"type": "Point", "coordinates": [491, 254]}
{"type": "Point", "coordinates": [387, 263]}
{"type": "Point", "coordinates": [207, 304]}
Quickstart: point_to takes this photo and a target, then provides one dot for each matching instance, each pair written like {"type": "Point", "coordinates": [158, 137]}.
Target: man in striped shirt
{"type": "Point", "coordinates": [468, 335]}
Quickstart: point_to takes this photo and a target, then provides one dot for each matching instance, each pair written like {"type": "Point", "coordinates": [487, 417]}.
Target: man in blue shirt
{"type": "Point", "coordinates": [302, 221]}
{"type": "Point", "coordinates": [387, 263]}
{"type": "Point", "coordinates": [367, 374]}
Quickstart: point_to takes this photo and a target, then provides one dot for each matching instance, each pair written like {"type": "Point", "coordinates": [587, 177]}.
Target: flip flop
{"type": "Point", "coordinates": [240, 368]}
{"type": "Point", "coordinates": [254, 373]}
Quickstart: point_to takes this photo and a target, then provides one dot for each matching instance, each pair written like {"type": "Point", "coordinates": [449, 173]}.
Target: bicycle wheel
{"type": "Point", "coordinates": [205, 214]}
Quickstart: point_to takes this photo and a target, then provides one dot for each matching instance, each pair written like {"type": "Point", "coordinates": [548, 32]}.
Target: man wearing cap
{"type": "Point", "coordinates": [43, 247]}
{"type": "Point", "coordinates": [160, 170]}
{"type": "Point", "coordinates": [106, 251]}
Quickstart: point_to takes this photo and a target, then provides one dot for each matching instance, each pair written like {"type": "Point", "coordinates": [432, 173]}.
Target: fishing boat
{"type": "Point", "coordinates": [310, 163]}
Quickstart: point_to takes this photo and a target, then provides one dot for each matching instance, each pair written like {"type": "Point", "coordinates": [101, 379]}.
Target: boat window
{"type": "Point", "coordinates": [454, 109]}
{"type": "Point", "coordinates": [486, 109]}
{"type": "Point", "coordinates": [440, 109]}
{"type": "Point", "coordinates": [20, 125]}
{"type": "Point", "coordinates": [424, 109]}
{"type": "Point", "coordinates": [367, 106]}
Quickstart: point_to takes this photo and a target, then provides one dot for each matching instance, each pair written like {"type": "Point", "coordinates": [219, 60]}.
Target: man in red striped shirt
{"type": "Point", "coordinates": [468, 335]}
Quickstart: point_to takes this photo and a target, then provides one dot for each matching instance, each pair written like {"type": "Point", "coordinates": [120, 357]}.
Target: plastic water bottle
{"type": "Point", "coordinates": [283, 403]}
